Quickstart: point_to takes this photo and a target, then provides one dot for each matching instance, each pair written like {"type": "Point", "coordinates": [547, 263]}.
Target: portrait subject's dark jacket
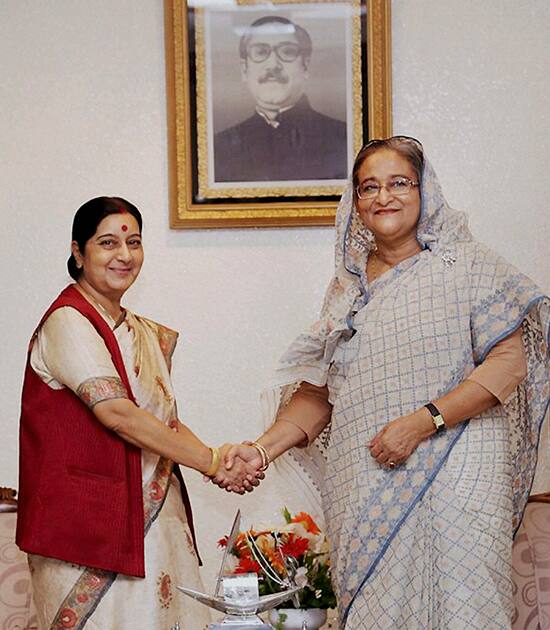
{"type": "Point", "coordinates": [305, 145]}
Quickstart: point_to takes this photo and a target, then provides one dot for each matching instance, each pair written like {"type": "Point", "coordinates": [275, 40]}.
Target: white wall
{"type": "Point", "coordinates": [83, 114]}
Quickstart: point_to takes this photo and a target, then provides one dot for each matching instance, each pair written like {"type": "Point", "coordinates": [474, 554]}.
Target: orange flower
{"type": "Point", "coordinates": [307, 522]}
{"type": "Point", "coordinates": [295, 546]}
{"type": "Point", "coordinates": [241, 546]}
{"type": "Point", "coordinates": [265, 541]}
{"type": "Point", "coordinates": [300, 539]}
{"type": "Point", "coordinates": [275, 560]}
{"type": "Point", "coordinates": [247, 565]}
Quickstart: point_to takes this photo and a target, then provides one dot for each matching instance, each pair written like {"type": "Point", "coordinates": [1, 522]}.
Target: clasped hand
{"type": "Point", "coordinates": [240, 468]}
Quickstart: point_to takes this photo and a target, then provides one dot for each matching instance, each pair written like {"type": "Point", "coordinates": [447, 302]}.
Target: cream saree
{"type": "Point", "coordinates": [69, 353]}
{"type": "Point", "coordinates": [428, 544]}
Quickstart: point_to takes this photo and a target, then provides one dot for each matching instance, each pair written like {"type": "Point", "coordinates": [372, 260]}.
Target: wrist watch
{"type": "Point", "coordinates": [437, 418]}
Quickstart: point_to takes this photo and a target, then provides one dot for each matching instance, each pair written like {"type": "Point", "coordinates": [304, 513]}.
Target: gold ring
{"type": "Point", "coordinates": [391, 464]}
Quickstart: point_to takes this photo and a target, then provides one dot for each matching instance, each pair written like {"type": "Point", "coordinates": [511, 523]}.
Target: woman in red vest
{"type": "Point", "coordinates": [101, 513]}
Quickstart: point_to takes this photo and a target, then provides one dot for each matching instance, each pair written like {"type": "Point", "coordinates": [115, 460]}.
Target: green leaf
{"type": "Point", "coordinates": [287, 515]}
{"type": "Point", "coordinates": [282, 619]}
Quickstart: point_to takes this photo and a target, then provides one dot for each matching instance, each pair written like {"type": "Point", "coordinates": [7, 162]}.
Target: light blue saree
{"type": "Point", "coordinates": [428, 544]}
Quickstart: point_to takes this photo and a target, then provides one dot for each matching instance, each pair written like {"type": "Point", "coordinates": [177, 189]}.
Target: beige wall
{"type": "Point", "coordinates": [83, 114]}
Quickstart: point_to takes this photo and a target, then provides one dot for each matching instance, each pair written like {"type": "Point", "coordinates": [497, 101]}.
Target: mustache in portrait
{"type": "Point", "coordinates": [273, 74]}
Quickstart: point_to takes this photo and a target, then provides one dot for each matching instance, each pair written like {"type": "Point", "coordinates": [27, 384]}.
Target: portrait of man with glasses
{"type": "Point", "coordinates": [285, 139]}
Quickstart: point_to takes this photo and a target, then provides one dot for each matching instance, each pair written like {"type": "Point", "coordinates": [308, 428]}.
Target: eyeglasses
{"type": "Point", "coordinates": [397, 187]}
{"type": "Point", "coordinates": [285, 51]}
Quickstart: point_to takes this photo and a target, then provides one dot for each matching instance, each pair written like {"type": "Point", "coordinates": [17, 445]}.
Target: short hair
{"type": "Point", "coordinates": [408, 148]}
{"type": "Point", "coordinates": [304, 40]}
{"type": "Point", "coordinates": [89, 216]}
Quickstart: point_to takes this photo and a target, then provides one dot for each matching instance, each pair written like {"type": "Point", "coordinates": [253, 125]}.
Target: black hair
{"type": "Point", "coordinates": [304, 40]}
{"type": "Point", "coordinates": [89, 216]}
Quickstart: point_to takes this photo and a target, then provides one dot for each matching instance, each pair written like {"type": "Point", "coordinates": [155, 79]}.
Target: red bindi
{"type": "Point", "coordinates": [124, 227]}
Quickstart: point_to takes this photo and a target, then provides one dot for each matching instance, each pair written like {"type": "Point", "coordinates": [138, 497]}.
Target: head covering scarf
{"type": "Point", "coordinates": [439, 227]}
{"type": "Point", "coordinates": [503, 300]}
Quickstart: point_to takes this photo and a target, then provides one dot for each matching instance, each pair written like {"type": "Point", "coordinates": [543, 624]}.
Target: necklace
{"type": "Point", "coordinates": [100, 307]}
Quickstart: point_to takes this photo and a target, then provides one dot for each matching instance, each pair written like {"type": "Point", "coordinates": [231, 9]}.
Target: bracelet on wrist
{"type": "Point", "coordinates": [215, 463]}
{"type": "Point", "coordinates": [263, 454]}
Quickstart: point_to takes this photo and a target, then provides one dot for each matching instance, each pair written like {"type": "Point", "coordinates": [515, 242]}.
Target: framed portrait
{"type": "Point", "coordinates": [268, 103]}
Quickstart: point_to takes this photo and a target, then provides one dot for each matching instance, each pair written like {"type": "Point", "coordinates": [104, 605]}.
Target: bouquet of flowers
{"type": "Point", "coordinates": [295, 552]}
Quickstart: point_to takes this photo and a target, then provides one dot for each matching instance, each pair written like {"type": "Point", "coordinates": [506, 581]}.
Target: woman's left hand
{"type": "Point", "coordinates": [395, 443]}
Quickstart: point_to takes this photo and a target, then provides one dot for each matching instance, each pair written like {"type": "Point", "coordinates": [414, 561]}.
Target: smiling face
{"type": "Point", "coordinates": [112, 257]}
{"type": "Point", "coordinates": [274, 84]}
{"type": "Point", "coordinates": [392, 219]}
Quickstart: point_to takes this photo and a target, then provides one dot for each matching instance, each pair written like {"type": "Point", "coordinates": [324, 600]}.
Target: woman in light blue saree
{"type": "Point", "coordinates": [418, 399]}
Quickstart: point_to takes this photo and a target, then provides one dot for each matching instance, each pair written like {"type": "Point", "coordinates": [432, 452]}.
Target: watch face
{"type": "Point", "coordinates": [437, 418]}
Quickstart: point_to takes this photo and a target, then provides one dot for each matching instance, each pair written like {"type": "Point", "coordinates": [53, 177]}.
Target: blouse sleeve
{"type": "Point", "coordinates": [504, 367]}
{"type": "Point", "coordinates": [309, 410]}
{"type": "Point", "coordinates": [68, 352]}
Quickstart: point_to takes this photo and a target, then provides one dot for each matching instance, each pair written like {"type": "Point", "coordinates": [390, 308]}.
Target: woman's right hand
{"type": "Point", "coordinates": [240, 468]}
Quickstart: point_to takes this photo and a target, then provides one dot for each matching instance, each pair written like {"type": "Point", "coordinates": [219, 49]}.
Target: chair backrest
{"type": "Point", "coordinates": [8, 502]}
{"type": "Point", "coordinates": [16, 608]}
{"type": "Point", "coordinates": [530, 567]}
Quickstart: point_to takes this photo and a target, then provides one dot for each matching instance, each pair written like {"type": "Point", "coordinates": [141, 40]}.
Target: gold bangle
{"type": "Point", "coordinates": [215, 463]}
{"type": "Point", "coordinates": [265, 457]}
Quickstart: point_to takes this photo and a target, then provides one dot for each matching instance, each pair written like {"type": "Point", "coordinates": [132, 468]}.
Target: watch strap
{"type": "Point", "coordinates": [437, 418]}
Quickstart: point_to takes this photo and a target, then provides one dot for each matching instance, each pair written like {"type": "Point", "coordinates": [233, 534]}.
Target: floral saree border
{"type": "Point", "coordinates": [93, 584]}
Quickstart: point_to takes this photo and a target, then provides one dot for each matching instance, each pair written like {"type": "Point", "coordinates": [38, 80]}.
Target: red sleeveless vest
{"type": "Point", "coordinates": [80, 487]}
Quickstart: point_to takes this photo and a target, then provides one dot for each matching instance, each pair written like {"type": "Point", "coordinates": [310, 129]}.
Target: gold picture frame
{"type": "Point", "coordinates": [199, 67]}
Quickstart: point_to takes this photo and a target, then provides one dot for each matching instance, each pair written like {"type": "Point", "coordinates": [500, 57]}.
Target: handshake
{"type": "Point", "coordinates": [238, 467]}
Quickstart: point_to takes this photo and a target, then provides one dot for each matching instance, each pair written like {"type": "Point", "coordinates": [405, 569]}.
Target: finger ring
{"type": "Point", "coordinates": [391, 464]}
